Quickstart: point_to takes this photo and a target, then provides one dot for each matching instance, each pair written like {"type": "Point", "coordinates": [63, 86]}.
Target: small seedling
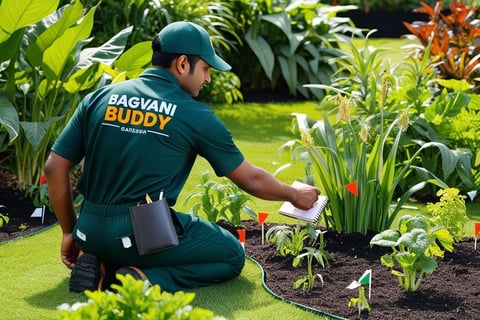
{"type": "Point", "coordinates": [361, 303]}
{"type": "Point", "coordinates": [308, 282]}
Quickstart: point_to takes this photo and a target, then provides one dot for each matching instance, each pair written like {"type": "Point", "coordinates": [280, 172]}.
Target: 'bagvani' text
{"type": "Point", "coordinates": [139, 111]}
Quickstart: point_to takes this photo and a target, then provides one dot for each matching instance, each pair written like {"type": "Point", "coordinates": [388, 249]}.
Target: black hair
{"type": "Point", "coordinates": [164, 59]}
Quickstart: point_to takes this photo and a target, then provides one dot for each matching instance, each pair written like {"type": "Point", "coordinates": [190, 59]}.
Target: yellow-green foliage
{"type": "Point", "coordinates": [135, 299]}
{"type": "Point", "coordinates": [450, 211]}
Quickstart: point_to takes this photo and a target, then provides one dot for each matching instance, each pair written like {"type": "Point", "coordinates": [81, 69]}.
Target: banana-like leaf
{"type": "Point", "coordinates": [135, 58]}
{"type": "Point", "coordinates": [289, 72]}
{"type": "Point", "coordinates": [262, 50]}
{"type": "Point", "coordinates": [35, 131]}
{"type": "Point", "coordinates": [19, 14]}
{"type": "Point", "coordinates": [106, 53]}
{"type": "Point", "coordinates": [51, 29]}
{"type": "Point", "coordinates": [9, 118]}
{"type": "Point", "coordinates": [58, 54]}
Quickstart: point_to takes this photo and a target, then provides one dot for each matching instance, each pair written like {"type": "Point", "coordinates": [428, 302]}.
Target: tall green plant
{"type": "Point", "coordinates": [353, 152]}
{"type": "Point", "coordinates": [46, 71]}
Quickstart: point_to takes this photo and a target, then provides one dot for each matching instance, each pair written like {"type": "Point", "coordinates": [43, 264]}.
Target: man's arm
{"type": "Point", "coordinates": [57, 172]}
{"type": "Point", "coordinates": [262, 184]}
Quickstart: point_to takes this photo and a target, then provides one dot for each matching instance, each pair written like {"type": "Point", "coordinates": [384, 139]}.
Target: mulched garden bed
{"type": "Point", "coordinates": [452, 291]}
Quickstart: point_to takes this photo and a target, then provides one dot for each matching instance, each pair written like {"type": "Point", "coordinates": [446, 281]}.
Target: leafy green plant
{"type": "Point", "coordinates": [39, 194]}
{"type": "Point", "coordinates": [236, 204]}
{"type": "Point", "coordinates": [361, 303]}
{"type": "Point", "coordinates": [3, 217]}
{"type": "Point", "coordinates": [322, 256]}
{"type": "Point", "coordinates": [290, 240]}
{"type": "Point", "coordinates": [135, 299]}
{"type": "Point", "coordinates": [218, 200]}
{"type": "Point", "coordinates": [450, 212]}
{"type": "Point", "coordinates": [46, 71]}
{"type": "Point", "coordinates": [380, 92]}
{"type": "Point", "coordinates": [415, 246]}
{"type": "Point", "coordinates": [308, 282]}
{"type": "Point", "coordinates": [379, 140]}
{"type": "Point", "coordinates": [212, 196]}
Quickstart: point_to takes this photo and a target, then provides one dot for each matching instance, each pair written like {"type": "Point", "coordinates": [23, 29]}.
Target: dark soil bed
{"type": "Point", "coordinates": [452, 291]}
{"type": "Point", "coordinates": [18, 209]}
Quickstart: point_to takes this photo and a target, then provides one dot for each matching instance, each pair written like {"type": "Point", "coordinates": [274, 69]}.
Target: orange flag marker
{"type": "Point", "coordinates": [262, 216]}
{"type": "Point", "coordinates": [352, 187]}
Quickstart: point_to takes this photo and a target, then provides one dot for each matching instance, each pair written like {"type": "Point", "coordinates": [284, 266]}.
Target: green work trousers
{"type": "Point", "coordinates": [206, 253]}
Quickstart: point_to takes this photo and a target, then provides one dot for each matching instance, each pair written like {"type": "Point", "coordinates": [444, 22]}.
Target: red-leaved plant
{"type": "Point", "coordinates": [453, 37]}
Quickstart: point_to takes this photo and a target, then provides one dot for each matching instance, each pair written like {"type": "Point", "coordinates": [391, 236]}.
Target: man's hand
{"type": "Point", "coordinates": [306, 197]}
{"type": "Point", "coordinates": [69, 250]}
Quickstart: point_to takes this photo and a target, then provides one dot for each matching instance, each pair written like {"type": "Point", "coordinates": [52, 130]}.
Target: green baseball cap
{"type": "Point", "coordinates": [184, 37]}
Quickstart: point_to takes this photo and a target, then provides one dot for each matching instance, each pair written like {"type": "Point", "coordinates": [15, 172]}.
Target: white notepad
{"type": "Point", "coordinates": [310, 215]}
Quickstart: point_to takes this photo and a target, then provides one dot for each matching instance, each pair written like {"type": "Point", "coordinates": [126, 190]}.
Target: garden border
{"type": "Point", "coordinates": [301, 306]}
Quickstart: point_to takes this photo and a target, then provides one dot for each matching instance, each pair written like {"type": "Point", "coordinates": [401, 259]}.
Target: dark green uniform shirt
{"type": "Point", "coordinates": [142, 136]}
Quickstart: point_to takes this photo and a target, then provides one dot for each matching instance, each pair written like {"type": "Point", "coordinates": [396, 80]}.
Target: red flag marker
{"type": "Point", "coordinates": [262, 216]}
{"type": "Point", "coordinates": [242, 234]}
{"type": "Point", "coordinates": [352, 187]}
{"type": "Point", "coordinates": [477, 230]}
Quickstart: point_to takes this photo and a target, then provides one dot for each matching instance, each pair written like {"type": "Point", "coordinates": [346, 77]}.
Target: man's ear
{"type": "Point", "coordinates": [182, 64]}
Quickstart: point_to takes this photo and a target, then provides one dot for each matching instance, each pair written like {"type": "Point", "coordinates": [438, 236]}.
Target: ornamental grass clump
{"type": "Point", "coordinates": [345, 153]}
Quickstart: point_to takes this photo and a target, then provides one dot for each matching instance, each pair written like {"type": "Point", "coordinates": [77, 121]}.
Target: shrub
{"type": "Point", "coordinates": [293, 42]}
{"type": "Point", "coordinates": [450, 212]}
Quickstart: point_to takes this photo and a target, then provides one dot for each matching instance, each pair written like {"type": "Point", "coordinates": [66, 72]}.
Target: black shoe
{"type": "Point", "coordinates": [86, 274]}
{"type": "Point", "coordinates": [131, 271]}
{"type": "Point", "coordinates": [136, 273]}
